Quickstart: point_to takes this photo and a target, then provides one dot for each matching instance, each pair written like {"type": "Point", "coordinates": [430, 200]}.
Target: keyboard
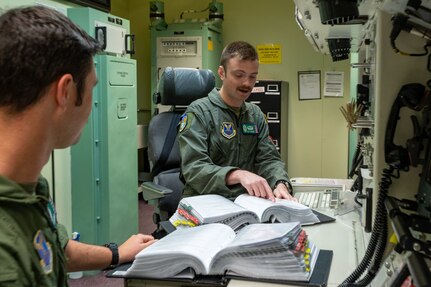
{"type": "Point", "coordinates": [328, 198]}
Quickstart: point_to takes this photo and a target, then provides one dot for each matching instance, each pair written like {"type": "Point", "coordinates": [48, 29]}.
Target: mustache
{"type": "Point", "coordinates": [246, 88]}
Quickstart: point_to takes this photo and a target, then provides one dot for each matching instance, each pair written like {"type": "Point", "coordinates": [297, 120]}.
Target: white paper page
{"type": "Point", "coordinates": [262, 232]}
{"type": "Point", "coordinates": [290, 203]}
{"type": "Point", "coordinates": [256, 204]}
{"type": "Point", "coordinates": [202, 242]}
{"type": "Point", "coordinates": [212, 206]}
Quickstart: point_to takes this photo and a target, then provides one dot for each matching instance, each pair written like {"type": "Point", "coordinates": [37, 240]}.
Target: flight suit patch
{"type": "Point", "coordinates": [227, 130]}
{"type": "Point", "coordinates": [44, 250]}
{"type": "Point", "coordinates": [52, 213]}
{"type": "Point", "coordinates": [183, 122]}
{"type": "Point", "coordinates": [250, 129]}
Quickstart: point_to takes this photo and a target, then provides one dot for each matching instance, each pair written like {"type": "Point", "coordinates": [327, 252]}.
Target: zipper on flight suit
{"type": "Point", "coordinates": [238, 121]}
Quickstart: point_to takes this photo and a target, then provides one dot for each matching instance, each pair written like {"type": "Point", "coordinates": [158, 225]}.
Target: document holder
{"type": "Point", "coordinates": [319, 278]}
{"type": "Point", "coordinates": [198, 281]}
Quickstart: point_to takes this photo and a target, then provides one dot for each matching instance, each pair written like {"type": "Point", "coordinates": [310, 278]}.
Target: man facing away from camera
{"type": "Point", "coordinates": [47, 76]}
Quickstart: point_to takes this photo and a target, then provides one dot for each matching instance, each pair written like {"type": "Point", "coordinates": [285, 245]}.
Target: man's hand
{"type": "Point", "coordinates": [133, 245]}
{"type": "Point", "coordinates": [253, 183]}
{"type": "Point", "coordinates": [281, 191]}
{"type": "Point", "coordinates": [82, 256]}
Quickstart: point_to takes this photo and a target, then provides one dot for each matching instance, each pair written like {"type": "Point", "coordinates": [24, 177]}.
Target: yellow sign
{"type": "Point", "coordinates": [269, 54]}
{"type": "Point", "coordinates": [210, 45]}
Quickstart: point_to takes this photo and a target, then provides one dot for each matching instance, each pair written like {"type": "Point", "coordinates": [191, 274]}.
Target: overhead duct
{"type": "Point", "coordinates": [339, 48]}
{"type": "Point", "coordinates": [335, 12]}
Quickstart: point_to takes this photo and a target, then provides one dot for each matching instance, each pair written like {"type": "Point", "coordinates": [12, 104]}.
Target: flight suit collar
{"type": "Point", "coordinates": [217, 100]}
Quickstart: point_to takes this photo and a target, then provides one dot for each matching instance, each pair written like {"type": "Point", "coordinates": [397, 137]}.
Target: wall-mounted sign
{"type": "Point", "coordinates": [269, 53]}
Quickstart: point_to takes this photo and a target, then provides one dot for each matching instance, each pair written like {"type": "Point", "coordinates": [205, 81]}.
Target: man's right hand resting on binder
{"type": "Point", "coordinates": [257, 185]}
{"type": "Point", "coordinates": [82, 256]}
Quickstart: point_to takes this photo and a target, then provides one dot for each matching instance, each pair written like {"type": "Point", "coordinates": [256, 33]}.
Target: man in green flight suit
{"type": "Point", "coordinates": [224, 141]}
{"type": "Point", "coordinates": [47, 78]}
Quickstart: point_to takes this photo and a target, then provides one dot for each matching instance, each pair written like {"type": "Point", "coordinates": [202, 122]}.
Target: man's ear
{"type": "Point", "coordinates": [221, 72]}
{"type": "Point", "coordinates": [65, 89]}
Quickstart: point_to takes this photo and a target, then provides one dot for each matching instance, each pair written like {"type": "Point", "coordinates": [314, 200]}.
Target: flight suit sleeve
{"type": "Point", "coordinates": [201, 175]}
{"type": "Point", "coordinates": [9, 272]}
{"type": "Point", "coordinates": [268, 162]}
{"type": "Point", "coordinates": [62, 235]}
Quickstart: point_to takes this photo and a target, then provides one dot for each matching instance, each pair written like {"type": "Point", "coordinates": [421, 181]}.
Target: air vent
{"type": "Point", "coordinates": [339, 48]}
{"type": "Point", "coordinates": [336, 12]}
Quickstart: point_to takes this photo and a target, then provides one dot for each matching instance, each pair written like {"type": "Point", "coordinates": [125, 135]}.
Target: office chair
{"type": "Point", "coordinates": [177, 87]}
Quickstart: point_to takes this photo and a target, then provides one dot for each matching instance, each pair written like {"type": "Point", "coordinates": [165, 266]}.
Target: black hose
{"type": "Point", "coordinates": [401, 277]}
{"type": "Point", "coordinates": [376, 246]}
{"type": "Point", "coordinates": [356, 161]}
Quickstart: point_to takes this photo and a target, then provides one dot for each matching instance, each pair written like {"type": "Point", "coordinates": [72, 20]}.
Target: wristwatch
{"type": "Point", "coordinates": [286, 183]}
{"type": "Point", "coordinates": [115, 256]}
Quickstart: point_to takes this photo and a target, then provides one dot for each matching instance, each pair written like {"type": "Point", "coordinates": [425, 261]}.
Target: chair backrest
{"type": "Point", "coordinates": [181, 86]}
{"type": "Point", "coordinates": [176, 87]}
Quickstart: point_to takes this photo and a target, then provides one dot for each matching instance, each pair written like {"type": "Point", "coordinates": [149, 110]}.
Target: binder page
{"type": "Point", "coordinates": [281, 210]}
{"type": "Point", "coordinates": [266, 251]}
{"type": "Point", "coordinates": [193, 247]}
{"type": "Point", "coordinates": [212, 207]}
{"type": "Point", "coordinates": [256, 204]}
{"type": "Point", "coordinates": [262, 233]}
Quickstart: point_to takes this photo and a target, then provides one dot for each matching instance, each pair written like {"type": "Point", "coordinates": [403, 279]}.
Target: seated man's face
{"type": "Point", "coordinates": [239, 79]}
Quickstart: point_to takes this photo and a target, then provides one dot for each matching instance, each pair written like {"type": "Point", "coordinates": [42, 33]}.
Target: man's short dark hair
{"type": "Point", "coordinates": [38, 45]}
{"type": "Point", "coordinates": [241, 49]}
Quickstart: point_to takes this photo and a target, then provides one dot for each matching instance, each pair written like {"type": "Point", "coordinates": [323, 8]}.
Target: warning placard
{"type": "Point", "coordinates": [269, 53]}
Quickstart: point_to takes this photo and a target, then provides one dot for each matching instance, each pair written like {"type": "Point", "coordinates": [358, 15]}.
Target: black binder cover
{"type": "Point", "coordinates": [319, 278]}
{"type": "Point", "coordinates": [199, 280]}
{"type": "Point", "coordinates": [323, 218]}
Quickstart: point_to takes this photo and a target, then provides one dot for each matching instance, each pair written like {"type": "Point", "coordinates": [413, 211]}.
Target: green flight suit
{"type": "Point", "coordinates": [31, 242]}
{"type": "Point", "coordinates": [213, 141]}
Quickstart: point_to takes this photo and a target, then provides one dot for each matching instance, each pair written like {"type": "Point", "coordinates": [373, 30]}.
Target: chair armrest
{"type": "Point", "coordinates": [151, 191]}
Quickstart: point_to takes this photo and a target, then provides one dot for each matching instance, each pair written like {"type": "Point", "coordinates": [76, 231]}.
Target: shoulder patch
{"type": "Point", "coordinates": [185, 121]}
{"type": "Point", "coordinates": [44, 251]}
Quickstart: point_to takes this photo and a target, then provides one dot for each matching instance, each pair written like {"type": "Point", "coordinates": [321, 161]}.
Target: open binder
{"type": "Point", "coordinates": [279, 252]}
{"type": "Point", "coordinates": [319, 278]}
{"type": "Point", "coordinates": [212, 208]}
{"type": "Point", "coordinates": [323, 218]}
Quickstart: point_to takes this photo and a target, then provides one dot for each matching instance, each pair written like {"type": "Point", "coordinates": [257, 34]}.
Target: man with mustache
{"type": "Point", "coordinates": [224, 141]}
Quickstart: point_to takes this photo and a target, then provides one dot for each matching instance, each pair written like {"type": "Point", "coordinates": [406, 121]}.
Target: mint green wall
{"type": "Point", "coordinates": [318, 137]}
{"type": "Point", "coordinates": [137, 11]}
{"type": "Point", "coordinates": [6, 4]}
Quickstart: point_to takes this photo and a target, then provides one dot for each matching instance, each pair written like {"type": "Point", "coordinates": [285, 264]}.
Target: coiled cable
{"type": "Point", "coordinates": [377, 244]}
